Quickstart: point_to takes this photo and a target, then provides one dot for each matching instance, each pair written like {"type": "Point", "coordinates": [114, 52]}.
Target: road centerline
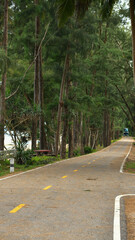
{"type": "Point", "coordinates": [48, 187]}
{"type": "Point", "coordinates": [64, 177]}
{"type": "Point", "coordinates": [17, 208]}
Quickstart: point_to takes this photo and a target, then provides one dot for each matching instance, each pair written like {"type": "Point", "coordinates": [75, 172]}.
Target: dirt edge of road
{"type": "Point", "coordinates": [130, 217]}
{"type": "Point", "coordinates": [129, 167]}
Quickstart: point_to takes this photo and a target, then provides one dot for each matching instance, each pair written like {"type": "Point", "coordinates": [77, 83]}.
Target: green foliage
{"type": "Point", "coordinates": [77, 152]}
{"type": "Point", "coordinates": [23, 156]}
{"type": "Point", "coordinates": [130, 166]}
{"type": "Point", "coordinates": [4, 167]}
{"type": "Point", "coordinates": [38, 160]}
{"type": "Point", "coordinates": [107, 7]}
{"type": "Point", "coordinates": [65, 9]}
{"type": "Point", "coordinates": [87, 150]}
{"type": "Point", "coordinates": [99, 58]}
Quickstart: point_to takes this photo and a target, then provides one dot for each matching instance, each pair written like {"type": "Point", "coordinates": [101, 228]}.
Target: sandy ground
{"type": "Point", "coordinates": [130, 205]}
{"type": "Point", "coordinates": [131, 158]}
{"type": "Point", "coordinates": [130, 217]}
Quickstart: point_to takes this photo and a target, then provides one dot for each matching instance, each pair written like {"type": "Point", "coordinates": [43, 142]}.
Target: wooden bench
{"type": "Point", "coordinates": [8, 154]}
{"type": "Point", "coordinates": [42, 152]}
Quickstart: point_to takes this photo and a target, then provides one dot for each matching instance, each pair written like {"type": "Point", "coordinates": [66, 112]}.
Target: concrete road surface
{"type": "Point", "coordinates": [73, 199]}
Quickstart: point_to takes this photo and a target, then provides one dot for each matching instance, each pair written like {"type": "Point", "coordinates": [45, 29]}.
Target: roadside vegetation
{"type": "Point", "coordinates": [130, 162]}
{"type": "Point", "coordinates": [34, 162]}
{"type": "Point", "coordinates": [25, 160]}
{"type": "Point", "coordinates": [68, 86]}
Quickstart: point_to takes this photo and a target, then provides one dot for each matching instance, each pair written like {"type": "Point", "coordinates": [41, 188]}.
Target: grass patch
{"type": "Point", "coordinates": [129, 167]}
{"type": "Point", "coordinates": [115, 140]}
{"type": "Point", "coordinates": [35, 162]}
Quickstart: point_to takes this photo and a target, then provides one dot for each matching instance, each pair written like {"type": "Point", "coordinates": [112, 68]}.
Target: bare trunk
{"type": "Point", "coordinates": [81, 133]}
{"type": "Point", "coordinates": [36, 81]}
{"type": "Point", "coordinates": [4, 76]}
{"type": "Point", "coordinates": [64, 136]}
{"type": "Point", "coordinates": [43, 142]}
{"type": "Point", "coordinates": [95, 139]}
{"type": "Point", "coordinates": [117, 134]}
{"type": "Point", "coordinates": [77, 142]}
{"type": "Point", "coordinates": [65, 124]}
{"type": "Point", "coordinates": [107, 124]}
{"type": "Point", "coordinates": [87, 132]}
{"type": "Point", "coordinates": [108, 129]}
{"type": "Point", "coordinates": [89, 143]}
{"type": "Point", "coordinates": [71, 140]}
{"type": "Point", "coordinates": [132, 16]}
{"type": "Point", "coordinates": [129, 110]}
{"type": "Point", "coordinates": [105, 129]}
{"type": "Point", "coordinates": [61, 104]}
{"type": "Point", "coordinates": [112, 129]}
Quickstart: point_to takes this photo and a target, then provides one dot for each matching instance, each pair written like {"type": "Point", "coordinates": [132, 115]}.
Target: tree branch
{"type": "Point", "coordinates": [30, 64]}
{"type": "Point", "coordinates": [125, 103]}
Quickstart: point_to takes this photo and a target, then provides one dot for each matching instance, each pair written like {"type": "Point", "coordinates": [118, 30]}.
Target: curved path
{"type": "Point", "coordinates": [70, 200]}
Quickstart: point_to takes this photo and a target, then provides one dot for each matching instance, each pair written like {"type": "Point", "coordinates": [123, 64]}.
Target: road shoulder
{"type": "Point", "coordinates": [130, 217]}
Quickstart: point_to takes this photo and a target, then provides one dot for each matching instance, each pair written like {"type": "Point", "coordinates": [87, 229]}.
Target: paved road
{"type": "Point", "coordinates": [79, 206]}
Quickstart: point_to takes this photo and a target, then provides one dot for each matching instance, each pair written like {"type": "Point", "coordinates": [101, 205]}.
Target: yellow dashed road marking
{"type": "Point", "coordinates": [84, 166]}
{"type": "Point", "coordinates": [64, 176]}
{"type": "Point", "coordinates": [75, 170]}
{"type": "Point", "coordinates": [46, 188]}
{"type": "Point", "coordinates": [89, 163]}
{"type": "Point", "coordinates": [17, 208]}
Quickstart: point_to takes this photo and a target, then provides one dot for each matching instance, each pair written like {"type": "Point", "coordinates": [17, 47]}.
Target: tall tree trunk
{"type": "Point", "coordinates": [108, 129]}
{"type": "Point", "coordinates": [112, 129]}
{"type": "Point", "coordinates": [36, 80]}
{"type": "Point", "coordinates": [4, 76]}
{"type": "Point", "coordinates": [43, 142]}
{"type": "Point", "coordinates": [71, 139]}
{"type": "Point", "coordinates": [61, 104]}
{"type": "Point", "coordinates": [64, 134]}
{"type": "Point", "coordinates": [81, 133]}
{"type": "Point", "coordinates": [132, 15]}
{"type": "Point", "coordinates": [77, 139]}
{"type": "Point", "coordinates": [105, 121]}
{"type": "Point", "coordinates": [105, 129]}
{"type": "Point", "coordinates": [66, 117]}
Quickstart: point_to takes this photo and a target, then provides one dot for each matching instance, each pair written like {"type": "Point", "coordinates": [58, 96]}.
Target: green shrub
{"type": "Point", "coordinates": [23, 156]}
{"type": "Point", "coordinates": [77, 152]}
{"type": "Point", "coordinates": [43, 160]}
{"type": "Point", "coordinates": [87, 150]}
{"type": "Point", "coordinates": [5, 163]}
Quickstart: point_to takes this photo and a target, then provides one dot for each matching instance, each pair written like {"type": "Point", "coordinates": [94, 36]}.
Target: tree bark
{"type": "Point", "coordinates": [129, 110]}
{"type": "Point", "coordinates": [81, 133]}
{"type": "Point", "coordinates": [61, 104]}
{"type": "Point", "coordinates": [4, 77]}
{"type": "Point", "coordinates": [43, 142]}
{"type": "Point", "coordinates": [36, 80]}
{"type": "Point", "coordinates": [71, 140]}
{"type": "Point", "coordinates": [64, 135]}
{"type": "Point", "coordinates": [132, 16]}
{"type": "Point", "coordinates": [107, 129]}
{"type": "Point", "coordinates": [77, 142]}
{"type": "Point", "coordinates": [65, 123]}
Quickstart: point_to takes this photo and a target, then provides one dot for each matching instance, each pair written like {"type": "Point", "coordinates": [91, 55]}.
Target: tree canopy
{"type": "Point", "coordinates": [69, 86]}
